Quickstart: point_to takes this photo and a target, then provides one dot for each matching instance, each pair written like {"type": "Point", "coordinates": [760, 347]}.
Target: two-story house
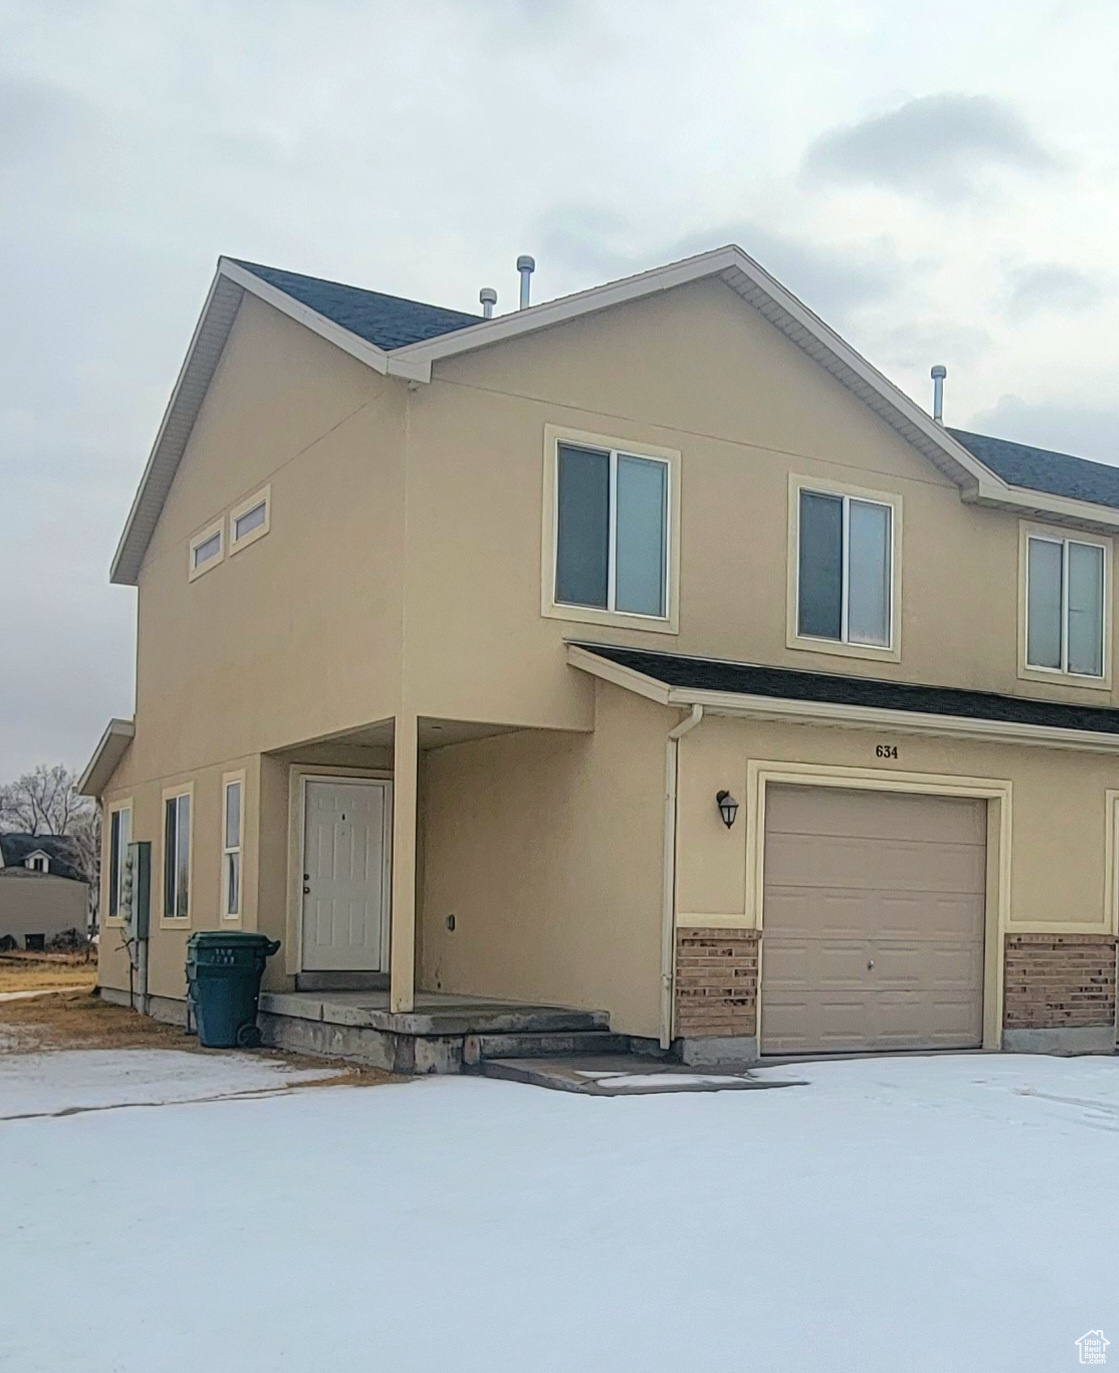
{"type": "Point", "coordinates": [643, 653]}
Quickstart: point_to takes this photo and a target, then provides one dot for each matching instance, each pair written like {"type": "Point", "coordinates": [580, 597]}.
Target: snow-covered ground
{"type": "Point", "coordinates": [917, 1214]}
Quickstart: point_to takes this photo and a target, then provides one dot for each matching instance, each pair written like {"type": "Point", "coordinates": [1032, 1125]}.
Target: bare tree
{"type": "Point", "coordinates": [45, 802]}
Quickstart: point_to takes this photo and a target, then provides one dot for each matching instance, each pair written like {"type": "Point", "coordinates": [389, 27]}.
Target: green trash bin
{"type": "Point", "coordinates": [223, 971]}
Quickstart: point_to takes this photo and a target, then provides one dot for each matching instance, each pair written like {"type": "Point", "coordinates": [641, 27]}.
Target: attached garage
{"type": "Point", "coordinates": [873, 920]}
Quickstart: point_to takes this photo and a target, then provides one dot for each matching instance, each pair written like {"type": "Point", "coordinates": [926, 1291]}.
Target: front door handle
{"type": "Point", "coordinates": [869, 962]}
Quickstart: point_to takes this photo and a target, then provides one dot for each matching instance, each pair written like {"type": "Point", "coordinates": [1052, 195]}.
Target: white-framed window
{"type": "Point", "coordinates": [206, 550]}
{"type": "Point", "coordinates": [1066, 599]}
{"type": "Point", "coordinates": [250, 520]}
{"type": "Point", "coordinates": [120, 836]}
{"type": "Point", "coordinates": [232, 842]}
{"type": "Point", "coordinates": [845, 568]}
{"type": "Point", "coordinates": [612, 512]}
{"type": "Point", "coordinates": [38, 862]}
{"type": "Point", "coordinates": [177, 832]}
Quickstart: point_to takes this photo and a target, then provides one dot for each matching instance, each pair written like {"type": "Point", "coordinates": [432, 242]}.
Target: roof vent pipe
{"type": "Point", "coordinates": [488, 296]}
{"type": "Point", "coordinates": [938, 374]}
{"type": "Point", "coordinates": [526, 266]}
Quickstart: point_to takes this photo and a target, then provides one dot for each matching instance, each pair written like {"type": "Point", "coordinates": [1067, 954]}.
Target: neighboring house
{"type": "Point", "coordinates": [42, 892]}
{"type": "Point", "coordinates": [460, 640]}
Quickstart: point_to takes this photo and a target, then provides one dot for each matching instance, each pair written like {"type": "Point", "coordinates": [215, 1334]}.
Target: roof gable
{"type": "Point", "coordinates": [406, 338]}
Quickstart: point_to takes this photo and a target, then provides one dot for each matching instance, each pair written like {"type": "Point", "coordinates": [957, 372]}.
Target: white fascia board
{"type": "Point", "coordinates": [1084, 514]}
{"type": "Point", "coordinates": [108, 753]}
{"type": "Point", "coordinates": [614, 673]}
{"type": "Point", "coordinates": [799, 315]}
{"type": "Point", "coordinates": [342, 338]}
{"type": "Point", "coordinates": [724, 262]}
{"type": "Point", "coordinates": [517, 322]}
{"type": "Point", "coordinates": [138, 529]}
{"type": "Point", "coordinates": [206, 345]}
{"type": "Point", "coordinates": [731, 704]}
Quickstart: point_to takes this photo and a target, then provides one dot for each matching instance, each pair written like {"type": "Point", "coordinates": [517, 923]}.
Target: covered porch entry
{"type": "Point", "coordinates": [351, 981]}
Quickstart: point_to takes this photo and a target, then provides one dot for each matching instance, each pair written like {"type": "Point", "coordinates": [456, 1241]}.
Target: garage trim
{"type": "Point", "coordinates": [998, 793]}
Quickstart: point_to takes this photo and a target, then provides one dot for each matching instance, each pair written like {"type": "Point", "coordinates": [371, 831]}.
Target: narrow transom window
{"type": "Point", "coordinates": [844, 569]}
{"type": "Point", "coordinates": [120, 835]}
{"type": "Point", "coordinates": [207, 549]}
{"type": "Point", "coordinates": [1065, 606]}
{"type": "Point", "coordinates": [250, 520]}
{"type": "Point", "coordinates": [611, 531]}
{"type": "Point", "coordinates": [176, 857]}
{"type": "Point", "coordinates": [231, 850]}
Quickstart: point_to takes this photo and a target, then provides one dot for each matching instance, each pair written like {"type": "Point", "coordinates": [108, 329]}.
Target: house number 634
{"type": "Point", "coordinates": [886, 751]}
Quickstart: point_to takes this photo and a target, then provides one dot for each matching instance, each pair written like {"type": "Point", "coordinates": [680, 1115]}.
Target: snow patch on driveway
{"type": "Point", "coordinates": [96, 1079]}
{"type": "Point", "coordinates": [911, 1213]}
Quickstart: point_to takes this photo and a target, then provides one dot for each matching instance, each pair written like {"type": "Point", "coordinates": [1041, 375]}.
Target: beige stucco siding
{"type": "Point", "coordinates": [298, 634]}
{"type": "Point", "coordinates": [547, 849]}
{"type": "Point", "coordinates": [1059, 812]}
{"type": "Point", "coordinates": [696, 371]}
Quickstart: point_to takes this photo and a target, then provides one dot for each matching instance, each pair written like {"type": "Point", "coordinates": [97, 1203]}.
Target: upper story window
{"type": "Point", "coordinates": [250, 520]}
{"type": "Point", "coordinates": [611, 531]}
{"type": "Point", "coordinates": [206, 550]}
{"type": "Point", "coordinates": [844, 566]}
{"type": "Point", "coordinates": [609, 545]}
{"type": "Point", "coordinates": [38, 862]}
{"type": "Point", "coordinates": [1066, 595]}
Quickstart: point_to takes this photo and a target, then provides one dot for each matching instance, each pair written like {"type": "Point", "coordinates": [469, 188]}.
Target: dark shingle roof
{"type": "Point", "coordinates": [58, 848]}
{"type": "Point", "coordinates": [792, 684]}
{"type": "Point", "coordinates": [387, 321]}
{"type": "Point", "coordinates": [1039, 469]}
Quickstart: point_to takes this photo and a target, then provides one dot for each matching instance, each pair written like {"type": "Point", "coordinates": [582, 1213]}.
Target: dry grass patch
{"type": "Point", "coordinates": [25, 972]}
{"type": "Point", "coordinates": [81, 1020]}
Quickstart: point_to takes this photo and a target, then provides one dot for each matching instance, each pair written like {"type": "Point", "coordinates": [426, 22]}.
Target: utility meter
{"type": "Point", "coordinates": [135, 889]}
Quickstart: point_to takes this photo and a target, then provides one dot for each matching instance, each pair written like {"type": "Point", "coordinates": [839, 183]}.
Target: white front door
{"type": "Point", "coordinates": [345, 874]}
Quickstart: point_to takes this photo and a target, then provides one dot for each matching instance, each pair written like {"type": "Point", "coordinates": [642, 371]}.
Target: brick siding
{"type": "Point", "coordinates": [1055, 981]}
{"type": "Point", "coordinates": [716, 982]}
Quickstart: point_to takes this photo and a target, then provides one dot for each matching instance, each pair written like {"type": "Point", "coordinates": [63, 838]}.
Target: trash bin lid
{"type": "Point", "coordinates": [232, 939]}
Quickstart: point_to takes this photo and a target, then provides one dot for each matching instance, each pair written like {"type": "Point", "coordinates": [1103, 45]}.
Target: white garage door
{"type": "Point", "coordinates": [873, 921]}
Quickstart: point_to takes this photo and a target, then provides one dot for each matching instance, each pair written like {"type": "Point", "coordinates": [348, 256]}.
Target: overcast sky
{"type": "Point", "coordinates": [940, 181]}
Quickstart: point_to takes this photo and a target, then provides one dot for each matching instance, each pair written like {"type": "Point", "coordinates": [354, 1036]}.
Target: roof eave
{"type": "Point", "coordinates": [1023, 500]}
{"type": "Point", "coordinates": [111, 748]}
{"type": "Point", "coordinates": [745, 705]}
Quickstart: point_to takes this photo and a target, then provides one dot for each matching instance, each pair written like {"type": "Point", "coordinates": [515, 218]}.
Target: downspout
{"type": "Point", "coordinates": [668, 904]}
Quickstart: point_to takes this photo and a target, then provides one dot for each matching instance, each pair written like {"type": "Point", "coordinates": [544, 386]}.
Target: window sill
{"type": "Point", "coordinates": [1063, 679]}
{"type": "Point", "coordinates": [194, 573]}
{"type": "Point", "coordinates": [614, 619]}
{"type": "Point", "coordinates": [836, 648]}
{"type": "Point", "coordinates": [174, 922]}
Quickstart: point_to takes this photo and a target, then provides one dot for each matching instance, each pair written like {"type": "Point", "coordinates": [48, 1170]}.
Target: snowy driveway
{"type": "Point", "coordinates": [944, 1213]}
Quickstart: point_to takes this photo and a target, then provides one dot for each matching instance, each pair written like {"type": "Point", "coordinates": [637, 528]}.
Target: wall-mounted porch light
{"type": "Point", "coordinates": [728, 807]}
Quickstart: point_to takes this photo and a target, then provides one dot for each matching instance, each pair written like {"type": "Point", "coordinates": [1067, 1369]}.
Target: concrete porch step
{"type": "Point", "coordinates": [434, 1014]}
{"type": "Point", "coordinates": [478, 1048]}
